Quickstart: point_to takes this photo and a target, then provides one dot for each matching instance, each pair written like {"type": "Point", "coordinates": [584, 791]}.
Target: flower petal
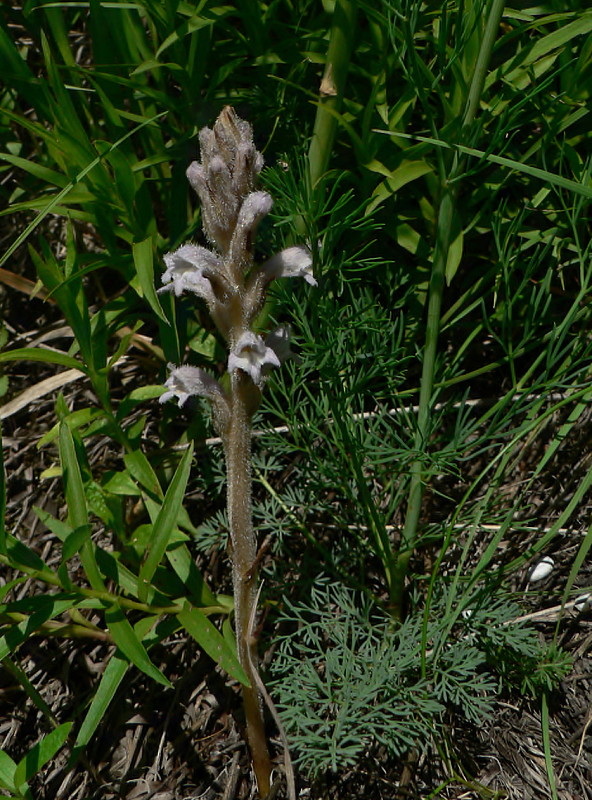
{"type": "Point", "coordinates": [252, 355]}
{"type": "Point", "coordinates": [185, 382]}
{"type": "Point", "coordinates": [294, 262]}
{"type": "Point", "coordinates": [185, 269]}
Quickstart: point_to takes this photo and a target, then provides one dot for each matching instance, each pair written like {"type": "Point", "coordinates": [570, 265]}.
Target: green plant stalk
{"type": "Point", "coordinates": [441, 250]}
{"type": "Point", "coordinates": [243, 546]}
{"type": "Point", "coordinates": [332, 87]}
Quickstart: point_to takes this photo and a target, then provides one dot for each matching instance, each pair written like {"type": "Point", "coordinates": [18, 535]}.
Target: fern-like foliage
{"type": "Point", "coordinates": [346, 680]}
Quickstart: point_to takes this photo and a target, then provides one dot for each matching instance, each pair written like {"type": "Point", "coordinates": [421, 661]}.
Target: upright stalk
{"type": "Point", "coordinates": [243, 555]}
{"type": "Point", "coordinates": [446, 213]}
{"type": "Point", "coordinates": [234, 289]}
{"type": "Point", "coordinates": [332, 87]}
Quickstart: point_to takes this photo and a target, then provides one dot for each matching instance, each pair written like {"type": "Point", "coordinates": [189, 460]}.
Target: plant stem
{"type": "Point", "coordinates": [243, 547]}
{"type": "Point", "coordinates": [443, 235]}
{"type": "Point", "coordinates": [332, 87]}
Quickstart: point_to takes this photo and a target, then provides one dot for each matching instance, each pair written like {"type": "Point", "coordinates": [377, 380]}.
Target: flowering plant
{"type": "Point", "coordinates": [234, 289]}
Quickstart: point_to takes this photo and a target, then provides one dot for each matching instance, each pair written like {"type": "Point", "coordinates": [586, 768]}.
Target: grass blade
{"type": "Point", "coordinates": [166, 522]}
{"type": "Point", "coordinates": [534, 172]}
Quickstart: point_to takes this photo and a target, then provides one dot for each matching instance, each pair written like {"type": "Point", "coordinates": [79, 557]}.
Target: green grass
{"type": "Point", "coordinates": [444, 187]}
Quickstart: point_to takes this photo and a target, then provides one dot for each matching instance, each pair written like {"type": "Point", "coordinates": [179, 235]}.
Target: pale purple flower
{"type": "Point", "coordinates": [185, 382]}
{"type": "Point", "coordinates": [229, 167]}
{"type": "Point", "coordinates": [185, 271]}
{"type": "Point", "coordinates": [253, 356]}
{"type": "Point", "coordinates": [294, 262]}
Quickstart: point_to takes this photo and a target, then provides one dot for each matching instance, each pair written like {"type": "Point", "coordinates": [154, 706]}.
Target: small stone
{"type": "Point", "coordinates": [583, 603]}
{"type": "Point", "coordinates": [542, 569]}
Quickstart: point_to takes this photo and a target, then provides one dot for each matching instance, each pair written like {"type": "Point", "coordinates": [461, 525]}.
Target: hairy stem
{"type": "Point", "coordinates": [243, 553]}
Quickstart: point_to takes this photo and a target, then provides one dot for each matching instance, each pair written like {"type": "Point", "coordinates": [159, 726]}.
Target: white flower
{"type": "Point", "coordinates": [253, 356]}
{"type": "Point", "coordinates": [185, 382]}
{"type": "Point", "coordinates": [185, 271]}
{"type": "Point", "coordinates": [294, 262]}
{"type": "Point", "coordinates": [255, 206]}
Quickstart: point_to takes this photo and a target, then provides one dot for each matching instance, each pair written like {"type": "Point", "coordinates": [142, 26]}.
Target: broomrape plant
{"type": "Point", "coordinates": [234, 289]}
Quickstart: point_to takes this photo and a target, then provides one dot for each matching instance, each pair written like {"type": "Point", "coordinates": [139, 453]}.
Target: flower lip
{"type": "Point", "coordinates": [185, 382]}
{"type": "Point", "coordinates": [293, 262]}
{"type": "Point", "coordinates": [186, 270]}
{"type": "Point", "coordinates": [253, 356]}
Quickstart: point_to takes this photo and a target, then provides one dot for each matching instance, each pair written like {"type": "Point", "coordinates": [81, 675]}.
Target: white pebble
{"type": "Point", "coordinates": [542, 569]}
{"type": "Point", "coordinates": [583, 603]}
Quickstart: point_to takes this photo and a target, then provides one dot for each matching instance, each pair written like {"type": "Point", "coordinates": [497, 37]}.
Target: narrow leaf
{"type": "Point", "coordinates": [49, 607]}
{"type": "Point", "coordinates": [45, 356]}
{"type": "Point", "coordinates": [142, 471]}
{"type": "Point", "coordinates": [129, 644]}
{"type": "Point", "coordinates": [534, 172]}
{"type": "Point", "coordinates": [40, 754]}
{"type": "Point", "coordinates": [77, 505]}
{"type": "Point", "coordinates": [186, 569]}
{"type": "Point", "coordinates": [143, 262]}
{"type": "Point", "coordinates": [208, 637]}
{"type": "Point", "coordinates": [112, 677]}
{"type": "Point", "coordinates": [166, 522]}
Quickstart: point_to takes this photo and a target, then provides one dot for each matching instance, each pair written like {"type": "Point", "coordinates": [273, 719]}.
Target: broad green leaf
{"type": "Point", "coordinates": [110, 680]}
{"type": "Point", "coordinates": [188, 27]}
{"type": "Point", "coordinates": [208, 637]}
{"type": "Point", "coordinates": [41, 753]}
{"type": "Point", "coordinates": [61, 529]}
{"type": "Point", "coordinates": [37, 170]}
{"type": "Point", "coordinates": [7, 770]}
{"type": "Point", "coordinates": [407, 172]}
{"type": "Point", "coordinates": [559, 37]}
{"type": "Point", "coordinates": [23, 556]}
{"type": "Point", "coordinates": [122, 483]}
{"type": "Point", "coordinates": [143, 261]}
{"type": "Point", "coordinates": [126, 639]}
{"type": "Point", "coordinates": [166, 522]}
{"type": "Point", "coordinates": [123, 577]}
{"type": "Point", "coordinates": [75, 541]}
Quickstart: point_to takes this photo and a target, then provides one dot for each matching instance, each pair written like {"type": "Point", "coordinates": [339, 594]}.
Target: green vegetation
{"type": "Point", "coordinates": [436, 160]}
